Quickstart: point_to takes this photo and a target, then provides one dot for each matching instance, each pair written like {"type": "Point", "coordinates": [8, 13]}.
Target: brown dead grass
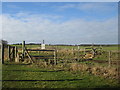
{"type": "Point", "coordinates": [107, 72]}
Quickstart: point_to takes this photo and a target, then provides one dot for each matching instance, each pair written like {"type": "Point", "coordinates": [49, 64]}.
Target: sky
{"type": "Point", "coordinates": [60, 22]}
{"type": "Point", "coordinates": [60, 0]}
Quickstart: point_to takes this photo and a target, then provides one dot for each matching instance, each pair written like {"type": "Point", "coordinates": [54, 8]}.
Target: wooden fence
{"type": "Point", "coordinates": [64, 55]}
{"type": "Point", "coordinates": [15, 56]}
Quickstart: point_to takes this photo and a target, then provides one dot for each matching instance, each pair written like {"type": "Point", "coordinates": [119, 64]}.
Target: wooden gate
{"type": "Point", "coordinates": [27, 52]}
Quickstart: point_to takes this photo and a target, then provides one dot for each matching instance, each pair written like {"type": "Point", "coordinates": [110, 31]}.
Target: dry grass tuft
{"type": "Point", "coordinates": [107, 72]}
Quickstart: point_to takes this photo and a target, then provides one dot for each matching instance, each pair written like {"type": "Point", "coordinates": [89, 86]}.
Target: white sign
{"type": "Point", "coordinates": [42, 46]}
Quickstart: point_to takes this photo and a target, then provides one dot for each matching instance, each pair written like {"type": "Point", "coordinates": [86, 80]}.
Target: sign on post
{"type": "Point", "coordinates": [42, 46]}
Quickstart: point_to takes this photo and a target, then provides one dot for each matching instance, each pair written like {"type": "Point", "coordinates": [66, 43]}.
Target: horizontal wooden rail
{"type": "Point", "coordinates": [39, 50]}
{"type": "Point", "coordinates": [92, 48]}
{"type": "Point", "coordinates": [42, 56]}
{"type": "Point", "coordinates": [115, 60]}
{"type": "Point", "coordinates": [88, 48]}
{"type": "Point", "coordinates": [11, 46]}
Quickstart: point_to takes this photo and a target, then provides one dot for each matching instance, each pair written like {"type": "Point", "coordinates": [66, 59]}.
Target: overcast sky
{"type": "Point", "coordinates": [60, 23]}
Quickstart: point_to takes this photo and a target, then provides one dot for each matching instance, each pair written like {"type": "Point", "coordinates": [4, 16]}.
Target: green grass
{"type": "Point", "coordinates": [36, 77]}
{"type": "Point", "coordinates": [49, 78]}
{"type": "Point", "coordinates": [111, 47]}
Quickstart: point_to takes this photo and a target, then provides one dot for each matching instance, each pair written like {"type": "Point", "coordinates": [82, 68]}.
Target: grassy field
{"type": "Point", "coordinates": [67, 51]}
{"type": "Point", "coordinates": [26, 76]}
{"type": "Point", "coordinates": [111, 47]}
{"type": "Point", "coordinates": [32, 76]}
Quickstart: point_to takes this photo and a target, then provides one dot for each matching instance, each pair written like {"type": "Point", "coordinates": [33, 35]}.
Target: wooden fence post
{"type": "Point", "coordinates": [9, 50]}
{"type": "Point", "coordinates": [73, 55]}
{"type": "Point", "coordinates": [55, 62]}
{"type": "Point", "coordinates": [84, 51]}
{"type": "Point", "coordinates": [49, 61]}
{"type": "Point", "coordinates": [23, 49]}
{"type": "Point", "coordinates": [2, 52]}
{"type": "Point", "coordinates": [93, 52]}
{"type": "Point", "coordinates": [78, 53]}
{"type": "Point", "coordinates": [118, 67]}
{"type": "Point", "coordinates": [16, 55]}
{"type": "Point", "coordinates": [109, 58]}
{"type": "Point", "coordinates": [15, 51]}
{"type": "Point", "coordinates": [13, 55]}
{"type": "Point", "coordinates": [56, 56]}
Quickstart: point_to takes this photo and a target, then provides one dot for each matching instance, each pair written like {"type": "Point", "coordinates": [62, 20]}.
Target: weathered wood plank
{"type": "Point", "coordinates": [9, 50]}
{"type": "Point", "coordinates": [13, 55]}
{"type": "Point", "coordinates": [23, 49]}
{"type": "Point", "coordinates": [41, 56]}
{"type": "Point", "coordinates": [55, 61]}
{"type": "Point", "coordinates": [39, 50]}
{"type": "Point", "coordinates": [15, 51]}
{"type": "Point", "coordinates": [28, 55]}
